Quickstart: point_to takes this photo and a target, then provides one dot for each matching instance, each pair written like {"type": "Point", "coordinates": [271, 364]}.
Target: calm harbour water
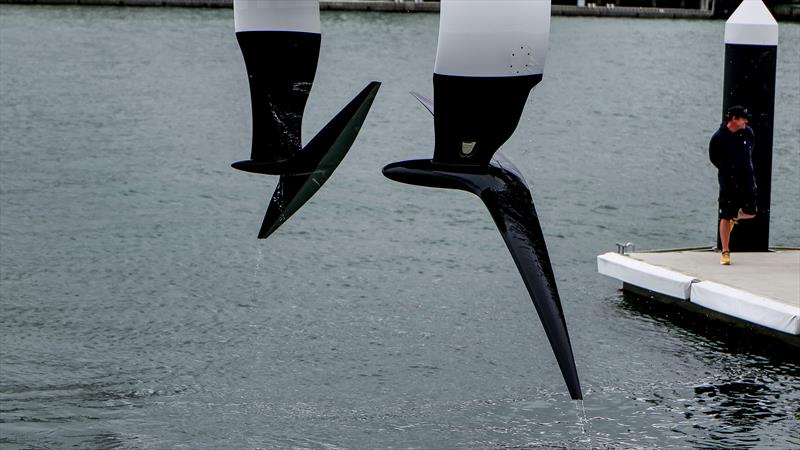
{"type": "Point", "coordinates": [137, 309]}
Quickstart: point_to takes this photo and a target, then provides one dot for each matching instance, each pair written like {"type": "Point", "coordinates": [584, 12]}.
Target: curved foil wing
{"type": "Point", "coordinates": [320, 157]}
{"type": "Point", "coordinates": [507, 197]}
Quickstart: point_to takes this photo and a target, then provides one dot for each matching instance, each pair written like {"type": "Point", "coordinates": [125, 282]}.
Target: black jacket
{"type": "Point", "coordinates": [732, 154]}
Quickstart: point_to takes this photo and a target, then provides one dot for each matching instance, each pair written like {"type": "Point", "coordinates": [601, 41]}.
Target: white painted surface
{"type": "Point", "coordinates": [276, 15]}
{"type": "Point", "coordinates": [492, 38]}
{"type": "Point", "coordinates": [745, 305]}
{"type": "Point", "coordinates": [751, 24]}
{"type": "Point", "coordinates": [637, 273]}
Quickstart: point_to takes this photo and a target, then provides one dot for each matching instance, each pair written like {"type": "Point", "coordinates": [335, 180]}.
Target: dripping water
{"type": "Point", "coordinates": [256, 269]}
{"type": "Point", "coordinates": [580, 412]}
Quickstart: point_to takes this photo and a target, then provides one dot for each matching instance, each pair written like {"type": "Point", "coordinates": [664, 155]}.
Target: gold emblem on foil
{"type": "Point", "coordinates": [467, 148]}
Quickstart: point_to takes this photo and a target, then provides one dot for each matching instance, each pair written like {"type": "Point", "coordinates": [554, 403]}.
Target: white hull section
{"type": "Point", "coordinates": [277, 15]}
{"type": "Point", "coordinates": [493, 38]}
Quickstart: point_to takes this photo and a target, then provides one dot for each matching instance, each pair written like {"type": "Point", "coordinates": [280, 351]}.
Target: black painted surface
{"type": "Point", "coordinates": [280, 67]}
{"type": "Point", "coordinates": [319, 158]}
{"type": "Point", "coordinates": [750, 81]}
{"type": "Point", "coordinates": [483, 111]}
{"type": "Point", "coordinates": [506, 195]}
{"type": "Point", "coordinates": [473, 117]}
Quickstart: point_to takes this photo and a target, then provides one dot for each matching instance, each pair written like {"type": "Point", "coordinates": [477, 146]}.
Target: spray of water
{"type": "Point", "coordinates": [580, 411]}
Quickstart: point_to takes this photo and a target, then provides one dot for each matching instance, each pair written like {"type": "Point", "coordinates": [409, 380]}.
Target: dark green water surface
{"type": "Point", "coordinates": [137, 309]}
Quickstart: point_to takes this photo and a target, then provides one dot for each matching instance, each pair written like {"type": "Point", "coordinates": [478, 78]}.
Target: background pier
{"type": "Point", "coordinates": [665, 9]}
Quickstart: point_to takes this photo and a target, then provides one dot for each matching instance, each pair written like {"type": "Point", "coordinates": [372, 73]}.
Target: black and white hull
{"type": "Point", "coordinates": [280, 42]}
{"type": "Point", "coordinates": [490, 56]}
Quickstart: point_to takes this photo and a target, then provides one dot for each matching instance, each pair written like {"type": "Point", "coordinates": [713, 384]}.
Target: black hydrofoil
{"type": "Point", "coordinates": [281, 66]}
{"type": "Point", "coordinates": [473, 117]}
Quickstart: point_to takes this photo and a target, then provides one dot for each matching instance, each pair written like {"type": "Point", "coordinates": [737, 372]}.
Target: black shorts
{"type": "Point", "coordinates": [729, 206]}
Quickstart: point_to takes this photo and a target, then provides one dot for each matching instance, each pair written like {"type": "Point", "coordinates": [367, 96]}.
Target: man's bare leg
{"type": "Point", "coordinates": [725, 233]}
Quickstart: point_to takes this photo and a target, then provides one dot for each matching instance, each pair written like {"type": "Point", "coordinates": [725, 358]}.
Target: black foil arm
{"type": "Point", "coordinates": [508, 199]}
{"type": "Point", "coordinates": [317, 161]}
{"type": "Point", "coordinates": [510, 203]}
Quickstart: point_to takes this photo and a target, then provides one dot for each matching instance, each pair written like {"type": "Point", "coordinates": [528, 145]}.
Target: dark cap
{"type": "Point", "coordinates": [738, 111]}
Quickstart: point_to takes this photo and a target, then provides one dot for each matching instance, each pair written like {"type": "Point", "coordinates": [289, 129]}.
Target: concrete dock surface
{"type": "Point", "coordinates": [775, 275]}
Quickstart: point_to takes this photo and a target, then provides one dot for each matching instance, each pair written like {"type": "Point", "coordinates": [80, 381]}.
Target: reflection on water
{"type": "Point", "coordinates": [740, 409]}
{"type": "Point", "coordinates": [746, 396]}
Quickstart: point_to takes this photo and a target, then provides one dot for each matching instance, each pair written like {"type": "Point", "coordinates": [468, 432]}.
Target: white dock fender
{"type": "Point", "coordinates": [643, 275]}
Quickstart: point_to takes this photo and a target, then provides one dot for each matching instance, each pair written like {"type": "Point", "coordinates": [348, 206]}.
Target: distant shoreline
{"type": "Point", "coordinates": [788, 13]}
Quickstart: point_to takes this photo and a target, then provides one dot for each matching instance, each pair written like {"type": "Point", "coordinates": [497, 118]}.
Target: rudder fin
{"type": "Point", "coordinates": [425, 101]}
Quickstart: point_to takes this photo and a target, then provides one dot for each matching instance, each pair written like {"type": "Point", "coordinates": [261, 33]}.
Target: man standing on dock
{"type": "Point", "coordinates": [731, 150]}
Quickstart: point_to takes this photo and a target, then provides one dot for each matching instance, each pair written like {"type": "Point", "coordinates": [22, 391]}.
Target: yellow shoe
{"type": "Point", "coordinates": [725, 259]}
